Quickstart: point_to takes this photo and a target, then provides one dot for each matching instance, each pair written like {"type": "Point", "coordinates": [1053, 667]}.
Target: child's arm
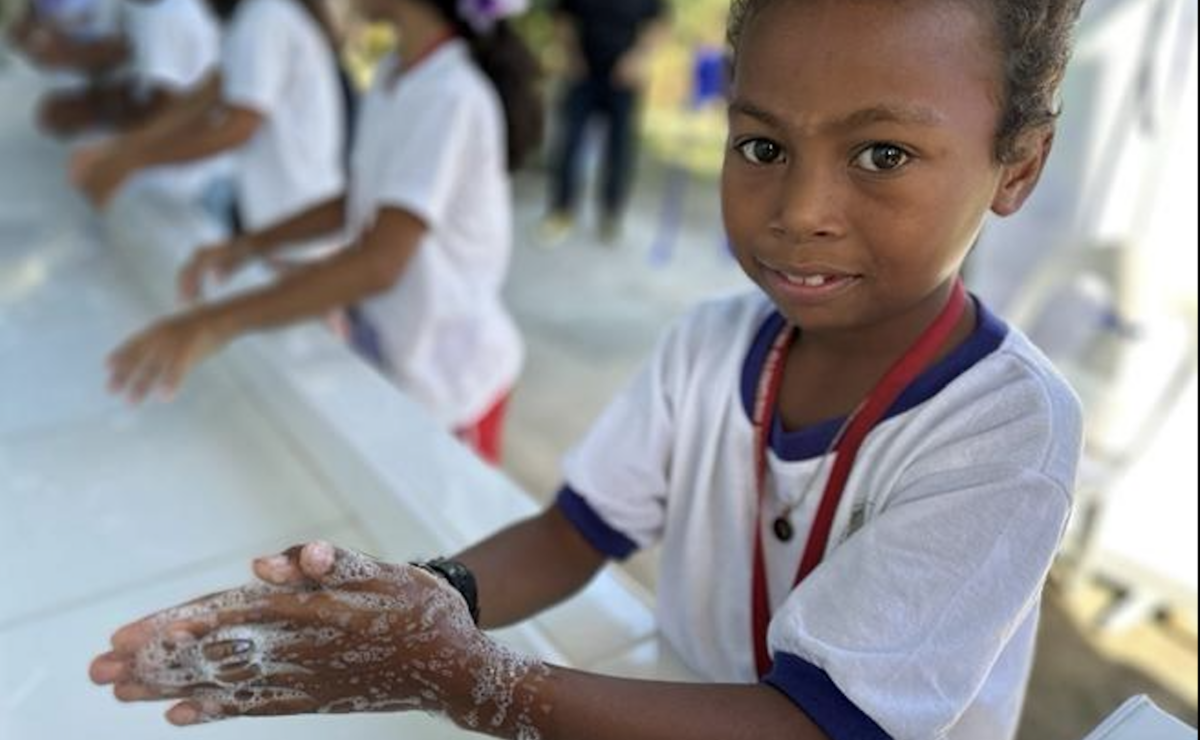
{"type": "Point", "coordinates": [548, 547]}
{"type": "Point", "coordinates": [197, 128]}
{"type": "Point", "coordinates": [119, 105]}
{"type": "Point", "coordinates": [592, 707]}
{"type": "Point", "coordinates": [220, 261]}
{"type": "Point", "coordinates": [543, 561]}
{"type": "Point", "coordinates": [412, 646]}
{"type": "Point", "coordinates": [160, 357]}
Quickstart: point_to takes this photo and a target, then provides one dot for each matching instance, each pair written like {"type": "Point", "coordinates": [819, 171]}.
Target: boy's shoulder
{"type": "Point", "coordinates": [1022, 362]}
{"type": "Point", "coordinates": [1013, 399]}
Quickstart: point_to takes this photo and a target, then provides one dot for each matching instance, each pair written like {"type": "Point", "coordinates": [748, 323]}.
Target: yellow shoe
{"type": "Point", "coordinates": [555, 229]}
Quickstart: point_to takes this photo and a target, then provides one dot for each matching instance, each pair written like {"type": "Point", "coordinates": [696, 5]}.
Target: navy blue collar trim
{"type": "Point", "coordinates": [814, 441]}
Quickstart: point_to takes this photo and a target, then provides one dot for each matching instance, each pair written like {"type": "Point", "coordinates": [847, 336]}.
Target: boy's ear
{"type": "Point", "coordinates": [1019, 177]}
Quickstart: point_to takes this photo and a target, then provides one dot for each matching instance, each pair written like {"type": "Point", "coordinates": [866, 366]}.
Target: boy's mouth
{"type": "Point", "coordinates": [810, 283]}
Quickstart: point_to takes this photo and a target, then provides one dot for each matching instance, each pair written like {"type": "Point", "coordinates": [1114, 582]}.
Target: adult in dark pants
{"type": "Point", "coordinates": [608, 44]}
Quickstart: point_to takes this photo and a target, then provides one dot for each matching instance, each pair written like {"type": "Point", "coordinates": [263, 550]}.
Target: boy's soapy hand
{"type": "Point", "coordinates": [160, 357]}
{"type": "Point", "coordinates": [217, 262]}
{"type": "Point", "coordinates": [333, 631]}
{"type": "Point", "coordinates": [99, 171]}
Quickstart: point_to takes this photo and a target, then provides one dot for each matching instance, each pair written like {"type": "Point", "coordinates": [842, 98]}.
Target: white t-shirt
{"type": "Point", "coordinates": [920, 623]}
{"type": "Point", "coordinates": [278, 63]}
{"type": "Point", "coordinates": [175, 45]}
{"type": "Point", "coordinates": [432, 142]}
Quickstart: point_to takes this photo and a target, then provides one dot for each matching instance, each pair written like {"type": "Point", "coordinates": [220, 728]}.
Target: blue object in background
{"type": "Point", "coordinates": [710, 75]}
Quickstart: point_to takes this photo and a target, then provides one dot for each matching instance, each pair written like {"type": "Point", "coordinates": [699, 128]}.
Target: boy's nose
{"type": "Point", "coordinates": [809, 206]}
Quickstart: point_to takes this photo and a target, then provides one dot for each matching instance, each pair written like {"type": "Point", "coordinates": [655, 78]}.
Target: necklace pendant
{"type": "Point", "coordinates": [784, 531]}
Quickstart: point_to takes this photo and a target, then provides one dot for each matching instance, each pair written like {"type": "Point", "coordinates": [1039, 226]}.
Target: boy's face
{"type": "Point", "coordinates": [861, 154]}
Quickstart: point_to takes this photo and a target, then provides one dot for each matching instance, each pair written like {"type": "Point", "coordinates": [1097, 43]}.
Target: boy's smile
{"type": "Point", "coordinates": [861, 159]}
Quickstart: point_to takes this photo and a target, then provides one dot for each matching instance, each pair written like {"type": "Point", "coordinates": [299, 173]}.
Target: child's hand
{"type": "Point", "coordinates": [337, 632]}
{"type": "Point", "coordinates": [98, 171]}
{"type": "Point", "coordinates": [217, 263]}
{"type": "Point", "coordinates": [161, 357]}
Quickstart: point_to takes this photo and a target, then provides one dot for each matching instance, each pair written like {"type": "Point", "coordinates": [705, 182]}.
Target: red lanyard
{"type": "Point", "coordinates": [867, 417]}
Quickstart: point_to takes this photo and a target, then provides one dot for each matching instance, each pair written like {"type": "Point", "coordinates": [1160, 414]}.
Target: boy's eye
{"type": "Point", "coordinates": [882, 158]}
{"type": "Point", "coordinates": [760, 151]}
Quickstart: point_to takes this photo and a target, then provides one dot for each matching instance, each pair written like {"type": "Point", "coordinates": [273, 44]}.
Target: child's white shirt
{"type": "Point", "coordinates": [432, 142]}
{"type": "Point", "coordinates": [920, 623]}
{"type": "Point", "coordinates": [176, 45]}
{"type": "Point", "coordinates": [278, 63]}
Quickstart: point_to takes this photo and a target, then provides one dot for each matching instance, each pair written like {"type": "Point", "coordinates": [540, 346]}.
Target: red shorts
{"type": "Point", "coordinates": [486, 435]}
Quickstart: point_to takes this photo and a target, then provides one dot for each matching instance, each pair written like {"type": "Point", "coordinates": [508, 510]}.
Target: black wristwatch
{"type": "Point", "coordinates": [460, 577]}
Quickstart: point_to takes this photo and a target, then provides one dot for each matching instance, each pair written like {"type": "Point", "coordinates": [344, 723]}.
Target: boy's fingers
{"type": "Point", "coordinates": [184, 714]}
{"type": "Point", "coordinates": [109, 669]}
{"type": "Point", "coordinates": [279, 570]}
{"type": "Point", "coordinates": [133, 637]}
{"type": "Point", "coordinates": [135, 692]}
{"type": "Point", "coordinates": [236, 674]}
{"type": "Point", "coordinates": [201, 710]}
{"type": "Point", "coordinates": [221, 651]}
{"type": "Point", "coordinates": [317, 559]}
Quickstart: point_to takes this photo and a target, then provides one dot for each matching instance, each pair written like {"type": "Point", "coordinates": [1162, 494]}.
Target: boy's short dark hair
{"type": "Point", "coordinates": [1035, 39]}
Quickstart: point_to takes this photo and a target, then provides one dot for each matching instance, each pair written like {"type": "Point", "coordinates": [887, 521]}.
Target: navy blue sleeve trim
{"type": "Point", "coordinates": [594, 529]}
{"type": "Point", "coordinates": [811, 689]}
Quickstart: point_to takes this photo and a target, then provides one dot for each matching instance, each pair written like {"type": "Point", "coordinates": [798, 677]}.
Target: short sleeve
{"type": "Point", "coordinates": [254, 64]}
{"type": "Point", "coordinates": [908, 617]}
{"type": "Point", "coordinates": [617, 477]}
{"type": "Point", "coordinates": [170, 54]}
{"type": "Point", "coordinates": [439, 146]}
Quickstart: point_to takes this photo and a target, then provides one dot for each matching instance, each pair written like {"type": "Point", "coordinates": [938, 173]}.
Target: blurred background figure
{"type": "Point", "coordinates": [607, 45]}
{"type": "Point", "coordinates": [165, 48]}
{"type": "Point", "coordinates": [280, 102]}
{"type": "Point", "coordinates": [74, 35]}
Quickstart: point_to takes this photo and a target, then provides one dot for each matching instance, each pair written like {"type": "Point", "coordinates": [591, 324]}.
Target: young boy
{"type": "Point", "coordinates": [909, 452]}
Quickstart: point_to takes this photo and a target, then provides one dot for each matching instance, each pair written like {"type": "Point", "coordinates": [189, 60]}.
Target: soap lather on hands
{"type": "Point", "coordinates": [327, 631]}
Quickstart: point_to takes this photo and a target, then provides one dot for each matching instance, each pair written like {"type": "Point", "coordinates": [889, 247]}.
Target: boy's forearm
{"type": "Point", "coordinates": [320, 220]}
{"type": "Point", "coordinates": [179, 118]}
{"type": "Point", "coordinates": [90, 57]}
{"type": "Point", "coordinates": [590, 707]}
{"type": "Point", "coordinates": [200, 138]}
{"type": "Point", "coordinates": [529, 568]}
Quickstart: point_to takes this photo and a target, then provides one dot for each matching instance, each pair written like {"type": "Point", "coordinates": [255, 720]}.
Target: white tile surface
{"type": "Point", "coordinates": [153, 490]}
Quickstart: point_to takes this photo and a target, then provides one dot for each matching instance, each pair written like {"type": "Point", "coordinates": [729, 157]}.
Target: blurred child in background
{"type": "Point", "coordinates": [278, 103]}
{"type": "Point", "coordinates": [429, 218]}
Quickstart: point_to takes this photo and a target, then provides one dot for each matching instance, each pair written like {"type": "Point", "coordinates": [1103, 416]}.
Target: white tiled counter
{"type": "Point", "coordinates": [108, 512]}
